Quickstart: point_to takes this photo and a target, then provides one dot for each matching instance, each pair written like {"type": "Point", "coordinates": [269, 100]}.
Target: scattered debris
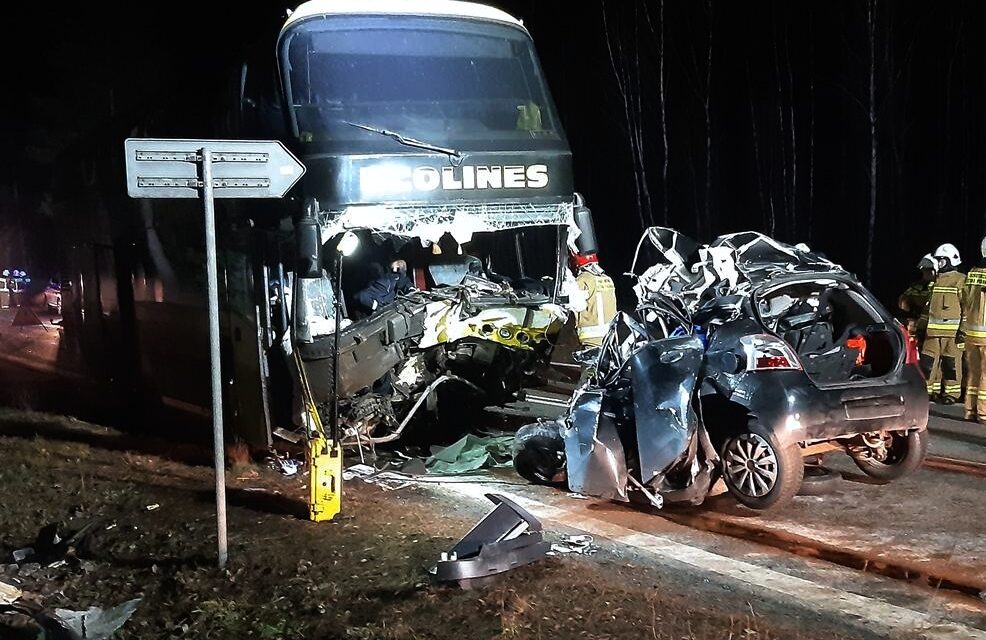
{"type": "Point", "coordinates": [20, 555]}
{"type": "Point", "coordinates": [580, 544]}
{"type": "Point", "coordinates": [49, 546]}
{"type": "Point", "coordinates": [362, 471]}
{"type": "Point", "coordinates": [95, 623]}
{"type": "Point", "coordinates": [507, 537]}
{"type": "Point", "coordinates": [290, 436]}
{"type": "Point", "coordinates": [386, 480]}
{"type": "Point", "coordinates": [577, 496]}
{"type": "Point", "coordinates": [471, 453]}
{"type": "Point", "coordinates": [152, 507]}
{"type": "Point", "coordinates": [9, 593]}
{"type": "Point", "coordinates": [285, 465]}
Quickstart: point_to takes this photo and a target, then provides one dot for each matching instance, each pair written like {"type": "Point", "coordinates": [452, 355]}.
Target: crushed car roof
{"type": "Point", "coordinates": [733, 264]}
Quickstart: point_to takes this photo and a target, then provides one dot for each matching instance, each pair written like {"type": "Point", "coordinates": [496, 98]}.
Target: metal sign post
{"type": "Point", "coordinates": [211, 169]}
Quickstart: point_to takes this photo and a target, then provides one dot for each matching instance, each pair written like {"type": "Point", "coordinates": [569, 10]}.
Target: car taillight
{"type": "Point", "coordinates": [764, 352]}
{"type": "Point", "coordinates": [911, 354]}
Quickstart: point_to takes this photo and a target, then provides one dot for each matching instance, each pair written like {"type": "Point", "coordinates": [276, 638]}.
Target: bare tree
{"type": "Point", "coordinates": [811, 126]}
{"type": "Point", "coordinates": [871, 26]}
{"type": "Point", "coordinates": [768, 221]}
{"type": "Point", "coordinates": [792, 130]}
{"type": "Point", "coordinates": [780, 122]}
{"type": "Point", "coordinates": [628, 81]}
{"type": "Point", "coordinates": [708, 126]}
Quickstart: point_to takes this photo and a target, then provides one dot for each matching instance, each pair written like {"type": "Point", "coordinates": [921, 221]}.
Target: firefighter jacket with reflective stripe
{"type": "Point", "coordinates": [974, 306]}
{"type": "Point", "coordinates": [945, 306]}
{"type": "Point", "coordinates": [600, 293]}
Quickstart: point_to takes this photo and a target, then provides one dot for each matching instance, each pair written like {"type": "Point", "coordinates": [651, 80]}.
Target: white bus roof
{"type": "Point", "coordinates": [450, 8]}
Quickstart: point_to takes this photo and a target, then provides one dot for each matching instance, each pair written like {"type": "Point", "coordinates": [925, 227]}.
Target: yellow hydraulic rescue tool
{"type": "Point", "coordinates": [324, 461]}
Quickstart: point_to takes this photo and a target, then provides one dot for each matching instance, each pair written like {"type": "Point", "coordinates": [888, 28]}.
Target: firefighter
{"type": "Point", "coordinates": [592, 322]}
{"type": "Point", "coordinates": [941, 354]}
{"type": "Point", "coordinates": [913, 303]}
{"type": "Point", "coordinates": [973, 330]}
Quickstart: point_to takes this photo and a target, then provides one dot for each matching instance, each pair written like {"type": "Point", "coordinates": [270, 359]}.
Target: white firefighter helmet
{"type": "Point", "coordinates": [982, 247]}
{"type": "Point", "coordinates": [6, 273]}
{"type": "Point", "coordinates": [928, 261]}
{"type": "Point", "coordinates": [948, 252]}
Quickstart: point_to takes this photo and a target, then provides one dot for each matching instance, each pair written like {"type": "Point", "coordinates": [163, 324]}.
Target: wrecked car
{"type": "Point", "coordinates": [743, 357]}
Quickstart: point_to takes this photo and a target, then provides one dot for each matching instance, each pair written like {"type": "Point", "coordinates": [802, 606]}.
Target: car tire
{"type": "Point", "coordinates": [906, 456]}
{"type": "Point", "coordinates": [539, 453]}
{"type": "Point", "coordinates": [819, 481]}
{"type": "Point", "coordinates": [776, 472]}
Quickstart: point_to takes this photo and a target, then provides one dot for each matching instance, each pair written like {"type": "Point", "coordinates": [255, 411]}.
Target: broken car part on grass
{"type": "Point", "coordinates": [506, 538]}
{"type": "Point", "coordinates": [740, 355]}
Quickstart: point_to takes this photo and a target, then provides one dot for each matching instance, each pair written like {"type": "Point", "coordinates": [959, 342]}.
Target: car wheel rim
{"type": "Point", "coordinates": [750, 465]}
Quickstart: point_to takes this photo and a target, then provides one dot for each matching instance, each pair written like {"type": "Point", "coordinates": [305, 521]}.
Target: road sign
{"type": "Point", "coordinates": [209, 169]}
{"type": "Point", "coordinates": [162, 168]}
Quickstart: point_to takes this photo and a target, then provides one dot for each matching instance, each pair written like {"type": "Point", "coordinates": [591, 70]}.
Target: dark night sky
{"type": "Point", "coordinates": [781, 120]}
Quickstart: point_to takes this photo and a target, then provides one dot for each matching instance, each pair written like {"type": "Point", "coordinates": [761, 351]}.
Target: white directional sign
{"type": "Point", "coordinates": [210, 169]}
{"type": "Point", "coordinates": [163, 168]}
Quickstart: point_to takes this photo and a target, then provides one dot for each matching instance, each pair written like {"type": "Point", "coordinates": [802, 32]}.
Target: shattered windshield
{"type": "Point", "coordinates": [447, 81]}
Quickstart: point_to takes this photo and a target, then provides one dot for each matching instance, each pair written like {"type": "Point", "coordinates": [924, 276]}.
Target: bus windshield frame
{"type": "Point", "coordinates": [456, 82]}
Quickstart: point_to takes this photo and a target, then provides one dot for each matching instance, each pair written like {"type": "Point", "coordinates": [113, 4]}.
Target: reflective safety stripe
{"type": "Point", "coordinates": [976, 278]}
{"type": "Point", "coordinates": [947, 325]}
{"type": "Point", "coordinates": [982, 393]}
{"type": "Point", "coordinates": [942, 289]}
{"type": "Point", "coordinates": [978, 332]}
{"type": "Point", "coordinates": [953, 388]}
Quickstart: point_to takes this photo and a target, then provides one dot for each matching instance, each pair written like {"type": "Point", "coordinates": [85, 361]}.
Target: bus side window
{"type": "Point", "coordinates": [260, 102]}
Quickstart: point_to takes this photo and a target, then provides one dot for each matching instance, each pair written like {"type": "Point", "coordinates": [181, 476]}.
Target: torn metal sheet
{"type": "Point", "coordinates": [95, 623]}
{"type": "Point", "coordinates": [732, 264]}
{"type": "Point", "coordinates": [579, 544]}
{"type": "Point", "coordinates": [593, 449]}
{"type": "Point", "coordinates": [519, 326]}
{"type": "Point", "coordinates": [9, 593]}
{"type": "Point", "coordinates": [506, 538]}
{"type": "Point", "coordinates": [664, 374]}
{"type": "Point", "coordinates": [430, 222]}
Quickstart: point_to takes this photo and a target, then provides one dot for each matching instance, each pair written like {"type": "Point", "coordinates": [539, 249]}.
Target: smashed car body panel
{"type": "Point", "coordinates": [664, 373]}
{"type": "Point", "coordinates": [596, 459]}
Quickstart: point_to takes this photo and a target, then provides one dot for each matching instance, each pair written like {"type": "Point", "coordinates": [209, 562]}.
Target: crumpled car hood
{"type": "Point", "coordinates": [733, 264]}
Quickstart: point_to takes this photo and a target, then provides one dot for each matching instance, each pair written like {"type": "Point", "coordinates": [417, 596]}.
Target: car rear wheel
{"type": "Point", "coordinates": [539, 453]}
{"type": "Point", "coordinates": [760, 472]}
{"type": "Point", "coordinates": [898, 455]}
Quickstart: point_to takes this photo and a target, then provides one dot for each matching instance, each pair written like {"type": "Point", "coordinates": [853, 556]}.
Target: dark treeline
{"type": "Point", "coordinates": [855, 126]}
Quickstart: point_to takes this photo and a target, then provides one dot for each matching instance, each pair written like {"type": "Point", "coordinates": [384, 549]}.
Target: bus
{"type": "Point", "coordinates": [431, 144]}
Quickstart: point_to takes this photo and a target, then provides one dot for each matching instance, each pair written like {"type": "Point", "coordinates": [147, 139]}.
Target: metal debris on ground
{"type": "Point", "coordinates": [9, 593]}
{"type": "Point", "coordinates": [152, 507]}
{"type": "Point", "coordinates": [286, 465]}
{"type": "Point", "coordinates": [506, 538]}
{"type": "Point", "coordinates": [386, 480]}
{"type": "Point", "coordinates": [362, 471]}
{"type": "Point", "coordinates": [580, 544]}
{"type": "Point", "coordinates": [95, 623]}
{"type": "Point", "coordinates": [20, 555]}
